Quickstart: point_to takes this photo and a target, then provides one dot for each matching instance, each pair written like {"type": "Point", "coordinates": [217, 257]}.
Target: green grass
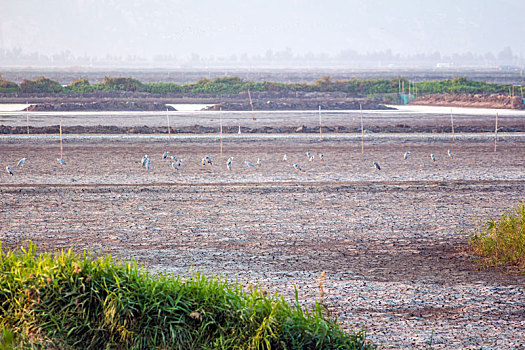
{"type": "Point", "coordinates": [501, 242]}
{"type": "Point", "coordinates": [70, 301]}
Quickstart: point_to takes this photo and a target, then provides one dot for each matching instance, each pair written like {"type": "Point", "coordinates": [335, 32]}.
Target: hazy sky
{"type": "Point", "coordinates": [224, 28]}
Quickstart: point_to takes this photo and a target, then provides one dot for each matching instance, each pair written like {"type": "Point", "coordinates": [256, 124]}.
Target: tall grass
{"type": "Point", "coordinates": [66, 300]}
{"type": "Point", "coordinates": [502, 241]}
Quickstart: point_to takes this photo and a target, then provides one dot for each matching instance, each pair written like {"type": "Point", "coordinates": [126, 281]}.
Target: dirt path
{"type": "Point", "coordinates": [389, 241]}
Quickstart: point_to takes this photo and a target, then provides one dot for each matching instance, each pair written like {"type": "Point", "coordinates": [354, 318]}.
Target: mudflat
{"type": "Point", "coordinates": [391, 242]}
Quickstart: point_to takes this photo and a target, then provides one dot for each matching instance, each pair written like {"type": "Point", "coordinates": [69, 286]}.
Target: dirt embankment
{"type": "Point", "coordinates": [139, 101]}
{"type": "Point", "coordinates": [471, 100]}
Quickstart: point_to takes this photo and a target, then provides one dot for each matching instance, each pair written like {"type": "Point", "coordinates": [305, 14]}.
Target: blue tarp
{"type": "Point", "coordinates": [405, 98]}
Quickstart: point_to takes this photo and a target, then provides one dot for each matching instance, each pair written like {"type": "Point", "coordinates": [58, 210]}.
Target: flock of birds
{"type": "Point", "coordinates": [176, 162]}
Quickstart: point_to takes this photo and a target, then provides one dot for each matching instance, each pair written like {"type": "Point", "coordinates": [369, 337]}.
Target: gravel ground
{"type": "Point", "coordinates": [389, 241]}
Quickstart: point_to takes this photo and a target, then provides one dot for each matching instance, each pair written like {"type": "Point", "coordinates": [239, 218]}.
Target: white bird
{"type": "Point", "coordinates": [9, 170]}
{"type": "Point", "coordinates": [449, 154]}
{"type": "Point", "coordinates": [377, 166]}
{"type": "Point", "coordinates": [203, 161]}
{"type": "Point", "coordinates": [309, 155]}
{"type": "Point", "coordinates": [174, 166]}
{"type": "Point", "coordinates": [165, 155]}
{"type": "Point", "coordinates": [230, 159]}
{"type": "Point", "coordinates": [285, 157]}
{"type": "Point", "coordinates": [432, 157]}
{"type": "Point", "coordinates": [21, 162]}
{"type": "Point", "coordinates": [61, 161]}
{"type": "Point", "coordinates": [144, 160]}
{"type": "Point", "coordinates": [406, 155]}
{"type": "Point", "coordinates": [148, 164]}
{"type": "Point", "coordinates": [175, 159]}
{"type": "Point", "coordinates": [259, 161]}
{"type": "Point", "coordinates": [248, 163]}
{"type": "Point", "coordinates": [297, 167]}
{"type": "Point", "coordinates": [321, 156]}
{"type": "Point", "coordinates": [229, 165]}
{"type": "Point", "coordinates": [208, 159]}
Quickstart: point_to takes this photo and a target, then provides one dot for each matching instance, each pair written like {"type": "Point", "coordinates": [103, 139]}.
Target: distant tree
{"type": "Point", "coordinates": [40, 85]}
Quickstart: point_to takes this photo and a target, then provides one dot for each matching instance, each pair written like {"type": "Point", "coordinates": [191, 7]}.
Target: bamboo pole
{"type": "Point", "coordinates": [251, 104]}
{"type": "Point", "coordinates": [320, 125]}
{"type": "Point", "coordinates": [168, 120]}
{"type": "Point", "coordinates": [60, 127]}
{"type": "Point", "coordinates": [496, 134]}
{"type": "Point", "coordinates": [220, 128]}
{"type": "Point", "coordinates": [362, 130]}
{"type": "Point", "coordinates": [452, 124]}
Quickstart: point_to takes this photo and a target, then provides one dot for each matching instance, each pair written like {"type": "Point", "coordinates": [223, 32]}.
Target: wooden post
{"type": "Point", "coordinates": [399, 87]}
{"type": "Point", "coordinates": [452, 123]}
{"type": "Point", "coordinates": [496, 134]}
{"type": "Point", "coordinates": [27, 122]}
{"type": "Point", "coordinates": [60, 127]}
{"type": "Point", "coordinates": [251, 104]}
{"type": "Point", "coordinates": [220, 127]}
{"type": "Point", "coordinates": [362, 130]}
{"type": "Point", "coordinates": [320, 125]}
{"type": "Point", "coordinates": [409, 91]}
{"type": "Point", "coordinates": [168, 119]}
{"type": "Point", "coordinates": [521, 89]}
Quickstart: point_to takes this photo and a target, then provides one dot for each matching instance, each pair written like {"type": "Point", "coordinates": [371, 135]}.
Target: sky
{"type": "Point", "coordinates": [224, 28]}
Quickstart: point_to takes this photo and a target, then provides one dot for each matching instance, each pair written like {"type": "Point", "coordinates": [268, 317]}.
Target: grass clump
{"type": "Point", "coordinates": [66, 300]}
{"type": "Point", "coordinates": [501, 242]}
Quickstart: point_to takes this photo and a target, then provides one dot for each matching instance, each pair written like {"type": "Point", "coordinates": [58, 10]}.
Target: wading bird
{"type": "Point", "coordinates": [165, 155]}
{"type": "Point", "coordinates": [21, 162]}
{"type": "Point", "coordinates": [248, 163]}
{"type": "Point", "coordinates": [377, 166]}
{"type": "Point", "coordinates": [174, 166]}
{"type": "Point", "coordinates": [285, 157]}
{"type": "Point", "coordinates": [433, 157]}
{"type": "Point", "coordinates": [309, 155]}
{"type": "Point", "coordinates": [450, 154]}
{"type": "Point", "coordinates": [229, 165]}
{"type": "Point", "coordinates": [297, 167]}
{"type": "Point", "coordinates": [175, 159]}
{"type": "Point", "coordinates": [259, 161]}
{"type": "Point", "coordinates": [148, 164]}
{"type": "Point", "coordinates": [208, 159]}
{"type": "Point", "coordinates": [61, 161]}
{"type": "Point", "coordinates": [144, 160]}
{"type": "Point", "coordinates": [321, 156]}
{"type": "Point", "coordinates": [406, 155]}
{"type": "Point", "coordinates": [9, 170]}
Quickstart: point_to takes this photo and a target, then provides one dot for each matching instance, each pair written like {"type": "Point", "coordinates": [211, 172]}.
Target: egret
{"type": "Point", "coordinates": [165, 155]}
{"type": "Point", "coordinates": [144, 160]}
{"type": "Point", "coordinates": [285, 157]}
{"type": "Point", "coordinates": [449, 154]}
{"type": "Point", "coordinates": [174, 166]}
{"type": "Point", "coordinates": [9, 170]}
{"type": "Point", "coordinates": [61, 161]}
{"type": "Point", "coordinates": [203, 161]}
{"type": "Point", "coordinates": [309, 155]}
{"type": "Point", "coordinates": [321, 156]}
{"type": "Point", "coordinates": [229, 165]}
{"type": "Point", "coordinates": [406, 155]}
{"type": "Point", "coordinates": [175, 159]}
{"type": "Point", "coordinates": [230, 159]}
{"type": "Point", "coordinates": [377, 166]}
{"type": "Point", "coordinates": [432, 157]}
{"type": "Point", "coordinates": [259, 161]}
{"type": "Point", "coordinates": [21, 162]}
{"type": "Point", "coordinates": [148, 164]}
{"type": "Point", "coordinates": [297, 167]}
{"type": "Point", "coordinates": [248, 163]}
{"type": "Point", "coordinates": [208, 159]}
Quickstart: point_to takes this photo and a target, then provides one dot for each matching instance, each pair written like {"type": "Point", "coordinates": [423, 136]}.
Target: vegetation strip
{"type": "Point", "coordinates": [236, 85]}
{"type": "Point", "coordinates": [78, 301]}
